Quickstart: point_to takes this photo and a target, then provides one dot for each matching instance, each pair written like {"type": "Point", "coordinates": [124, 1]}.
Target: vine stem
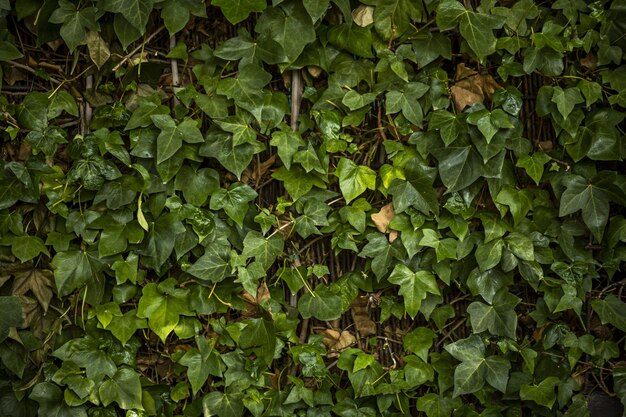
{"type": "Point", "coordinates": [174, 65]}
{"type": "Point", "coordinates": [137, 49]}
{"type": "Point", "coordinates": [86, 119]}
{"type": "Point", "coordinates": [296, 97]}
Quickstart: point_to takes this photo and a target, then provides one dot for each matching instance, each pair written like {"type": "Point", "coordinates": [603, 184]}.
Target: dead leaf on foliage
{"type": "Point", "coordinates": [359, 309]}
{"type": "Point", "coordinates": [39, 281]}
{"type": "Point", "coordinates": [314, 70]}
{"type": "Point", "coordinates": [383, 218]}
{"type": "Point", "coordinates": [590, 61]}
{"type": "Point", "coordinates": [252, 303]}
{"type": "Point", "coordinates": [262, 293]}
{"type": "Point", "coordinates": [337, 342]}
{"type": "Point", "coordinates": [363, 15]}
{"type": "Point", "coordinates": [393, 235]}
{"type": "Point", "coordinates": [471, 87]}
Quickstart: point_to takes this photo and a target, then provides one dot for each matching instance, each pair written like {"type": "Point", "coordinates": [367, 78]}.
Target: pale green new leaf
{"type": "Point", "coordinates": [162, 305]}
{"type": "Point", "coordinates": [414, 287]}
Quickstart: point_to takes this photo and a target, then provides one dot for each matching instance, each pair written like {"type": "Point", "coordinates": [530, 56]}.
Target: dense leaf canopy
{"type": "Point", "coordinates": [349, 208]}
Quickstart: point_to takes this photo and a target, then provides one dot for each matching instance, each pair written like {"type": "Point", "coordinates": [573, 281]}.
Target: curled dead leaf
{"type": "Point", "coordinates": [336, 341]}
{"type": "Point", "coordinates": [363, 15]}
{"type": "Point", "coordinates": [471, 87]}
{"type": "Point", "coordinates": [360, 311]}
{"type": "Point", "coordinates": [383, 218]}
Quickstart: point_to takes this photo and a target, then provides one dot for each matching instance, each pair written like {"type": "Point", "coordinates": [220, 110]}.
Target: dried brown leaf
{"type": "Point", "coordinates": [471, 87]}
{"type": "Point", "coordinates": [383, 218]}
{"type": "Point", "coordinates": [336, 341]}
{"type": "Point", "coordinates": [39, 281]}
{"type": "Point", "coordinates": [363, 15]}
{"type": "Point", "coordinates": [489, 85]}
{"type": "Point", "coordinates": [359, 309]}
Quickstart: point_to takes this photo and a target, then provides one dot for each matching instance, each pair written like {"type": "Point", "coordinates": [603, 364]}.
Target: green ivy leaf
{"type": "Point", "coordinates": [392, 18]}
{"type": "Point", "coordinates": [352, 38]}
{"type": "Point", "coordinates": [87, 353]}
{"type": "Point", "coordinates": [265, 250]}
{"type": "Point", "coordinates": [235, 158]}
{"type": "Point", "coordinates": [74, 22]}
{"type": "Point", "coordinates": [459, 167]}
{"type": "Point", "coordinates": [26, 248]}
{"type": "Point", "coordinates": [589, 197]}
{"type": "Point", "coordinates": [542, 394]}
{"type": "Point", "coordinates": [163, 304]}
{"type": "Point", "coordinates": [533, 164]}
{"type": "Point", "coordinates": [449, 125]}
{"type": "Point", "coordinates": [250, 51]}
{"type": "Point", "coordinates": [611, 310]}
{"type": "Point", "coordinates": [354, 179]}
{"type": "Point", "coordinates": [124, 389]}
{"type": "Point", "coordinates": [382, 253]}
{"type": "Point", "coordinates": [198, 185]}
{"type": "Point", "coordinates": [499, 318]}
{"type": "Point", "coordinates": [290, 26]}
{"type": "Point", "coordinates": [213, 266]}
{"type": "Point", "coordinates": [258, 337]}
{"type": "Point", "coordinates": [201, 362]}
{"type": "Point", "coordinates": [72, 270]}
{"type": "Point", "coordinates": [172, 136]}
{"type": "Point", "coordinates": [297, 181]}
{"type": "Point", "coordinates": [136, 12]}
{"type": "Point", "coordinates": [238, 10]}
{"type": "Point", "coordinates": [566, 99]}
{"type": "Point", "coordinates": [235, 201]}
{"type": "Point", "coordinates": [476, 28]}
{"type": "Point", "coordinates": [221, 404]}
{"type": "Point", "coordinates": [9, 52]}
{"type": "Point", "coordinates": [497, 371]}
{"type": "Point", "coordinates": [125, 326]}
{"type": "Point", "coordinates": [419, 342]}
{"type": "Point", "coordinates": [414, 287]}
{"type": "Point", "coordinates": [323, 304]}
{"type": "Point", "coordinates": [437, 405]}
{"type": "Point", "coordinates": [51, 403]}
{"type": "Point", "coordinates": [405, 100]}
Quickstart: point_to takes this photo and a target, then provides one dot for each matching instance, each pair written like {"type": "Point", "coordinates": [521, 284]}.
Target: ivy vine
{"type": "Point", "coordinates": [311, 207]}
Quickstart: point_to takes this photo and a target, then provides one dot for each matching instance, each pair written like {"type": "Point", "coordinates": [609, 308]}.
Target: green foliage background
{"type": "Point", "coordinates": [437, 230]}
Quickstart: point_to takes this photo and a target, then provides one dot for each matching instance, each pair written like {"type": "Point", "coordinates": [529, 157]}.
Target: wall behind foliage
{"type": "Point", "coordinates": [311, 207]}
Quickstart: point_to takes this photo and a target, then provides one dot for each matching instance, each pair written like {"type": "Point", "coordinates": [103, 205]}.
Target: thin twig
{"type": "Point", "coordinates": [31, 70]}
{"type": "Point", "coordinates": [137, 49]}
